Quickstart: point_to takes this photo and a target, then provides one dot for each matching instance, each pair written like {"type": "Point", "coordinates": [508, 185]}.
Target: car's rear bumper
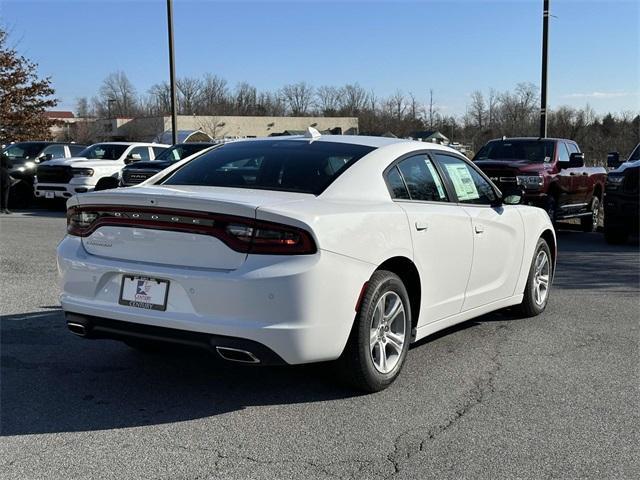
{"type": "Point", "coordinates": [300, 307]}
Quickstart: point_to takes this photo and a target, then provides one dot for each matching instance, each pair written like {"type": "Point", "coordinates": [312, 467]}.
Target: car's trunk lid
{"type": "Point", "coordinates": [173, 225]}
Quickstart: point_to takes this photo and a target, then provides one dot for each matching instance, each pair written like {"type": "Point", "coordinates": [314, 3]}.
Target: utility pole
{"type": "Point", "coordinates": [172, 75]}
{"type": "Point", "coordinates": [545, 62]}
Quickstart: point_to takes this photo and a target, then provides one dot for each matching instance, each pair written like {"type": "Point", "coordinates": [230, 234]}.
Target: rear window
{"type": "Point", "coordinates": [533, 151]}
{"type": "Point", "coordinates": [178, 152]}
{"type": "Point", "coordinates": [284, 165]}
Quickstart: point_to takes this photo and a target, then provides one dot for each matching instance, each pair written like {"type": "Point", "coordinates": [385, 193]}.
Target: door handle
{"type": "Point", "coordinates": [478, 228]}
{"type": "Point", "coordinates": [422, 226]}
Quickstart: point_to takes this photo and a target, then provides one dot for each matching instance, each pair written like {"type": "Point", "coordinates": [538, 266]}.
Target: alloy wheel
{"type": "Point", "coordinates": [541, 278]}
{"type": "Point", "coordinates": [388, 332]}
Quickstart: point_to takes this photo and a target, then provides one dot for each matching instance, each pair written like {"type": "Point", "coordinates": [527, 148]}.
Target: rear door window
{"type": "Point", "coordinates": [422, 179]}
{"type": "Point", "coordinates": [397, 187]}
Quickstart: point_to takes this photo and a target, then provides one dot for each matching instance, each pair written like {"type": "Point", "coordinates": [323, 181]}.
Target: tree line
{"type": "Point", "coordinates": [488, 114]}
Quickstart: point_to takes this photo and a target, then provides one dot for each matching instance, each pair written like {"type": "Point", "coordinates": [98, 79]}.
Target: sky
{"type": "Point", "coordinates": [453, 47]}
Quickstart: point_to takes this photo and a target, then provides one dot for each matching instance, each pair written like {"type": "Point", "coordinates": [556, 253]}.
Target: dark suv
{"type": "Point", "coordinates": [552, 174]}
{"type": "Point", "coordinates": [140, 171]}
{"type": "Point", "coordinates": [622, 198]}
{"type": "Point", "coordinates": [24, 156]}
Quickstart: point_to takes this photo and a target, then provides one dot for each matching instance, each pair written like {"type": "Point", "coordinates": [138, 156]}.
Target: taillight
{"type": "Point", "coordinates": [240, 234]}
{"type": "Point", "coordinates": [270, 238]}
{"type": "Point", "coordinates": [79, 222]}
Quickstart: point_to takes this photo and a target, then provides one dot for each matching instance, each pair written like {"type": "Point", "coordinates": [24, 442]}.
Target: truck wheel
{"type": "Point", "coordinates": [380, 336]}
{"type": "Point", "coordinates": [590, 223]}
{"type": "Point", "coordinates": [536, 292]}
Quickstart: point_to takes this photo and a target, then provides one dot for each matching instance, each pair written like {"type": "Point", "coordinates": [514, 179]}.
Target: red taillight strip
{"type": "Point", "coordinates": [217, 229]}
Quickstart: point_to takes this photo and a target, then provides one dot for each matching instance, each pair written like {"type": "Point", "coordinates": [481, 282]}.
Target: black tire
{"type": "Point", "coordinates": [357, 362]}
{"type": "Point", "coordinates": [552, 209]}
{"type": "Point", "coordinates": [615, 235]}
{"type": "Point", "coordinates": [590, 223]}
{"type": "Point", "coordinates": [530, 307]}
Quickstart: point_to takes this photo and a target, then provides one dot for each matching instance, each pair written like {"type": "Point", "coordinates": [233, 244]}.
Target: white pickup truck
{"type": "Point", "coordinates": [65, 177]}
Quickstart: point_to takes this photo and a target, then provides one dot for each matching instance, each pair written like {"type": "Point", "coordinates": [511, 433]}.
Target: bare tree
{"type": "Point", "coordinates": [432, 111]}
{"type": "Point", "coordinates": [328, 99]}
{"type": "Point", "coordinates": [397, 105]}
{"type": "Point", "coordinates": [215, 95]}
{"type": "Point", "coordinates": [245, 99]}
{"type": "Point", "coordinates": [189, 95]}
{"type": "Point", "coordinates": [117, 95]}
{"type": "Point", "coordinates": [353, 99]}
{"type": "Point", "coordinates": [299, 97]}
{"type": "Point", "coordinates": [478, 108]}
{"type": "Point", "coordinates": [83, 109]}
{"type": "Point", "coordinates": [160, 98]}
{"type": "Point", "coordinates": [492, 106]}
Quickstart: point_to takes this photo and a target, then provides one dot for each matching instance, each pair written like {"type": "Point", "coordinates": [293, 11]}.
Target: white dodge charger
{"type": "Point", "coordinates": [304, 249]}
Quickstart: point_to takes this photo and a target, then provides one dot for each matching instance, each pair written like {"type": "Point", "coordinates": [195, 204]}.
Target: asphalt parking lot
{"type": "Point", "coordinates": [498, 397]}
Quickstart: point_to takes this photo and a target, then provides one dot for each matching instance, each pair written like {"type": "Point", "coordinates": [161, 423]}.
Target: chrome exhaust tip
{"type": "Point", "coordinates": [237, 355]}
{"type": "Point", "coordinates": [77, 328]}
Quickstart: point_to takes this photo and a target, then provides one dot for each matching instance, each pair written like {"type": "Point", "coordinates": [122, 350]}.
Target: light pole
{"type": "Point", "coordinates": [545, 61]}
{"type": "Point", "coordinates": [172, 74]}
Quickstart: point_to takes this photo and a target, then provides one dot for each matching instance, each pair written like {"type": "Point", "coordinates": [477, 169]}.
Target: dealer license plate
{"type": "Point", "coordinates": [144, 292]}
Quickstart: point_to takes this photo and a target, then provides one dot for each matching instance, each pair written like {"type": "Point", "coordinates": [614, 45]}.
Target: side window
{"type": "Point", "coordinates": [563, 153]}
{"type": "Point", "coordinates": [157, 151]}
{"type": "Point", "coordinates": [469, 185]}
{"type": "Point", "coordinates": [76, 149]}
{"type": "Point", "coordinates": [56, 151]}
{"type": "Point", "coordinates": [573, 148]}
{"type": "Point", "coordinates": [142, 151]}
{"type": "Point", "coordinates": [422, 179]}
{"type": "Point", "coordinates": [396, 185]}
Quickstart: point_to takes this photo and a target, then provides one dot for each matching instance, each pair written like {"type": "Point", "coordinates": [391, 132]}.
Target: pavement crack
{"type": "Point", "coordinates": [415, 440]}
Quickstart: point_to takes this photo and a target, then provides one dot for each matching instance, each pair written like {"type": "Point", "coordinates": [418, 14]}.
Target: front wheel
{"type": "Point", "coordinates": [536, 292]}
{"type": "Point", "coordinates": [590, 223]}
{"type": "Point", "coordinates": [380, 336]}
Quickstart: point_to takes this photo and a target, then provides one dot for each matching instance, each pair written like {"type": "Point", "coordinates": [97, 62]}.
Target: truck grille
{"type": "Point", "coordinates": [54, 174]}
{"type": "Point", "coordinates": [133, 177]}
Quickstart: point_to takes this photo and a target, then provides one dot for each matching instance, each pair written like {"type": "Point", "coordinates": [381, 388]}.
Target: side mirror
{"type": "Point", "coordinates": [132, 157]}
{"type": "Point", "coordinates": [576, 160]}
{"type": "Point", "coordinates": [45, 157]}
{"type": "Point", "coordinates": [107, 183]}
{"type": "Point", "coordinates": [513, 196]}
{"type": "Point", "coordinates": [613, 160]}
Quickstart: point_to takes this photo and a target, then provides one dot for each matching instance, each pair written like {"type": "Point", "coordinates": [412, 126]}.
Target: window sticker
{"type": "Point", "coordinates": [462, 182]}
{"type": "Point", "coordinates": [436, 178]}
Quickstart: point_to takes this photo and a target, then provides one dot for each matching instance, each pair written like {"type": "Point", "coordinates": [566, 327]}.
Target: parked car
{"type": "Point", "coordinates": [25, 156]}
{"type": "Point", "coordinates": [622, 198]}
{"type": "Point", "coordinates": [304, 249]}
{"type": "Point", "coordinates": [140, 171]}
{"type": "Point", "coordinates": [63, 178]}
{"type": "Point", "coordinates": [552, 173]}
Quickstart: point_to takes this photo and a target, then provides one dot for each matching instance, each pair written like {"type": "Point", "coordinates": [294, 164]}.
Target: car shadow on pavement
{"type": "Point", "coordinates": [53, 381]}
{"type": "Point", "coordinates": [586, 261]}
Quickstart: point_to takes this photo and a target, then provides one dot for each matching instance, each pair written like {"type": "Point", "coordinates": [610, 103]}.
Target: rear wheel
{"type": "Point", "coordinates": [590, 223]}
{"type": "Point", "coordinates": [380, 337]}
{"type": "Point", "coordinates": [536, 292]}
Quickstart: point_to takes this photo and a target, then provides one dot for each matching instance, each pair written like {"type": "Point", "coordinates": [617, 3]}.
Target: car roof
{"type": "Point", "coordinates": [149, 144]}
{"type": "Point", "coordinates": [364, 140]}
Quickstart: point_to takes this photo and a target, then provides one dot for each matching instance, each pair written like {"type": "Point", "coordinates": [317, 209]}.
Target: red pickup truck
{"type": "Point", "coordinates": [552, 174]}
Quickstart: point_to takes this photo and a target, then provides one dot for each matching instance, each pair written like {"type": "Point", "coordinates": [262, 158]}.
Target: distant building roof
{"type": "Point", "coordinates": [59, 114]}
{"type": "Point", "coordinates": [429, 136]}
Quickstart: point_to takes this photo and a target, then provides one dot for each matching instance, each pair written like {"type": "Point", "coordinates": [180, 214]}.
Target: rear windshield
{"type": "Point", "coordinates": [178, 152]}
{"type": "Point", "coordinates": [284, 165]}
{"type": "Point", "coordinates": [530, 150]}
